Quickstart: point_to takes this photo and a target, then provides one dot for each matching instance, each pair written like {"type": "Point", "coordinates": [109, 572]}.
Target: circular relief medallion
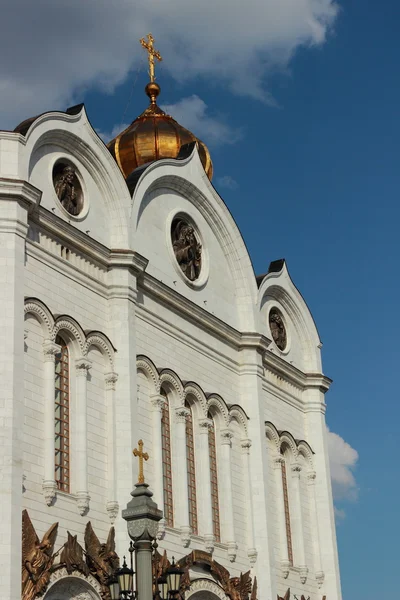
{"type": "Point", "coordinates": [68, 188]}
{"type": "Point", "coordinates": [277, 328]}
{"type": "Point", "coordinates": [187, 248]}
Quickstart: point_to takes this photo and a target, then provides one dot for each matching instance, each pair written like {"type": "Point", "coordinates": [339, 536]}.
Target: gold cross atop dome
{"type": "Point", "coordinates": [142, 456]}
{"type": "Point", "coordinates": [149, 46]}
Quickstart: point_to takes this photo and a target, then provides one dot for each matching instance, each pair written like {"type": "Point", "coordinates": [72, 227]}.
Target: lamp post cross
{"type": "Point", "coordinates": [142, 456]}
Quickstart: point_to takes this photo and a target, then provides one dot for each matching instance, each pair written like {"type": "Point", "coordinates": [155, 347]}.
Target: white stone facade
{"type": "Point", "coordinates": [109, 282]}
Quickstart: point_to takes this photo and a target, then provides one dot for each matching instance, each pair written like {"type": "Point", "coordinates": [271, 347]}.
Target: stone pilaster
{"type": "Point", "coordinates": [181, 517]}
{"type": "Point", "coordinates": [82, 366]}
{"type": "Point", "coordinates": [251, 550]}
{"type": "Point", "coordinates": [227, 519]}
{"type": "Point", "coordinates": [50, 349]}
{"type": "Point", "coordinates": [296, 509]}
{"type": "Point", "coordinates": [204, 481]}
{"type": "Point", "coordinates": [112, 507]}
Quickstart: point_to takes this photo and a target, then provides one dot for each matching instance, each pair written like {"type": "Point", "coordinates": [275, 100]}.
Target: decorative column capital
{"type": "Point", "coordinates": [50, 349]}
{"type": "Point", "coordinates": [181, 414]}
{"type": "Point", "coordinates": [296, 470]}
{"type": "Point", "coordinates": [158, 402]}
{"type": "Point", "coordinates": [82, 366]}
{"type": "Point", "coordinates": [278, 461]}
{"type": "Point", "coordinates": [226, 437]}
{"type": "Point", "coordinates": [311, 477]}
{"type": "Point", "coordinates": [245, 445]}
{"type": "Point", "coordinates": [205, 425]}
{"type": "Point", "coordinates": [111, 380]}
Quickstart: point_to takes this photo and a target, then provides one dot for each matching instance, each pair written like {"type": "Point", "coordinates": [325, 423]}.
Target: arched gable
{"type": "Point", "coordinates": [73, 136]}
{"type": "Point", "coordinates": [185, 179]}
{"type": "Point", "coordinates": [303, 347]}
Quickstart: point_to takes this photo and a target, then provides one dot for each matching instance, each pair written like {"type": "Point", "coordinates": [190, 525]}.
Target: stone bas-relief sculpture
{"type": "Point", "coordinates": [277, 328]}
{"type": "Point", "coordinates": [68, 188]}
{"type": "Point", "coordinates": [186, 248]}
{"type": "Point", "coordinates": [37, 558]}
{"type": "Point", "coordinates": [40, 562]}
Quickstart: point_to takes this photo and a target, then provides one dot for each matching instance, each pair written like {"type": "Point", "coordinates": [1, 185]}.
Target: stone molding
{"type": "Point", "coordinates": [205, 585]}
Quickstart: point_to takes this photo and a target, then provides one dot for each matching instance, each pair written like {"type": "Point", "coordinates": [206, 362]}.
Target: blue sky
{"type": "Point", "coordinates": [305, 140]}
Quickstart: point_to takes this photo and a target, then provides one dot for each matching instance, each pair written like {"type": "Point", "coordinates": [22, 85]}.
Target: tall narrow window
{"type": "Point", "coordinates": [61, 415]}
{"type": "Point", "coordinates": [287, 511]}
{"type": "Point", "coordinates": [191, 472]}
{"type": "Point", "coordinates": [214, 481]}
{"type": "Point", "coordinates": [166, 458]}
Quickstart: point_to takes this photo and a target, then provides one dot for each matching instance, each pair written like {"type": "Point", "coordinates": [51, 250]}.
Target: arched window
{"type": "Point", "coordinates": [61, 414]}
{"type": "Point", "coordinates": [287, 510]}
{"type": "Point", "coordinates": [214, 481]}
{"type": "Point", "coordinates": [191, 472]}
{"type": "Point", "coordinates": [166, 463]}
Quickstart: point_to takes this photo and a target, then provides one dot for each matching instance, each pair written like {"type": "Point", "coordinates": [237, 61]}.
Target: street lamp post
{"type": "Point", "coordinates": [142, 516]}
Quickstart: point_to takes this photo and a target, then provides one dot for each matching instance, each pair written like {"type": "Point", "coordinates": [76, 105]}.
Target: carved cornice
{"type": "Point", "coordinates": [21, 191]}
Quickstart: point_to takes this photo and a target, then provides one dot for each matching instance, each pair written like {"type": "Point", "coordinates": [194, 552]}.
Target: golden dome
{"type": "Point", "coordinates": [154, 135]}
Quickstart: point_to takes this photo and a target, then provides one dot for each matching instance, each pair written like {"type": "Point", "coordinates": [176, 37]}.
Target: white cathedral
{"type": "Point", "coordinates": [131, 312]}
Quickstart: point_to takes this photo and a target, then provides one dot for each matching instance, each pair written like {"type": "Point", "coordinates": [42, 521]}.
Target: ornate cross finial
{"type": "Point", "coordinates": [149, 46]}
{"type": "Point", "coordinates": [142, 456]}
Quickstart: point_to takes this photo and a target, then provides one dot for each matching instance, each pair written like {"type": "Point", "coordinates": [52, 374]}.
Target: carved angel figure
{"type": "Point", "coordinates": [37, 558]}
{"type": "Point", "coordinates": [240, 587]}
{"type": "Point", "coordinates": [187, 249]}
{"type": "Point", "coordinates": [71, 556]}
{"type": "Point", "coordinates": [101, 559]}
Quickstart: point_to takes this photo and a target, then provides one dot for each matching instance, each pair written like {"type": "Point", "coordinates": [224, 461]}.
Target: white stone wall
{"type": "Point", "coordinates": [113, 273]}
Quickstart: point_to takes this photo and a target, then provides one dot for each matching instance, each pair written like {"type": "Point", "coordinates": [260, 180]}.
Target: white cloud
{"type": "Point", "coordinates": [343, 459]}
{"type": "Point", "coordinates": [192, 113]}
{"type": "Point", "coordinates": [53, 51]}
{"type": "Point", "coordinates": [227, 182]}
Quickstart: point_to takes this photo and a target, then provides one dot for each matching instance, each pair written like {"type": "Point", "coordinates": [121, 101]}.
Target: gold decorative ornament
{"type": "Point", "coordinates": [142, 456]}
{"type": "Point", "coordinates": [153, 135]}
